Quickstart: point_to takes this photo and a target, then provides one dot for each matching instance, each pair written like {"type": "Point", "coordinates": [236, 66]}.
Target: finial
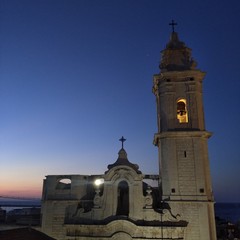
{"type": "Point", "coordinates": [173, 23]}
{"type": "Point", "coordinates": [122, 139]}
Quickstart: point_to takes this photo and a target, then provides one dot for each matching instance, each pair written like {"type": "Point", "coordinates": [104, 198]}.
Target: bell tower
{"type": "Point", "coordinates": [182, 139]}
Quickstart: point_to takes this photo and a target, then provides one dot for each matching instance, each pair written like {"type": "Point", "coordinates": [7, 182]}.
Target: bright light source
{"type": "Point", "coordinates": [99, 181]}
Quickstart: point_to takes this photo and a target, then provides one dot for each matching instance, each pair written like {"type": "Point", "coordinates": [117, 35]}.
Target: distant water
{"type": "Point", "coordinates": [228, 211]}
{"type": "Point", "coordinates": [18, 203]}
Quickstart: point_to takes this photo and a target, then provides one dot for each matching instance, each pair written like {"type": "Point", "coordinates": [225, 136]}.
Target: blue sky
{"type": "Point", "coordinates": [76, 75]}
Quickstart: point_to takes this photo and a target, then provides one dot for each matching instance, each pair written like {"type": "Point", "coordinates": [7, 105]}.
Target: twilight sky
{"type": "Point", "coordinates": [76, 75]}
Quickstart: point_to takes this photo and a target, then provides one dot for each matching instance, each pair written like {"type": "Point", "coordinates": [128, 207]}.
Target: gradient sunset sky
{"type": "Point", "coordinates": [76, 75]}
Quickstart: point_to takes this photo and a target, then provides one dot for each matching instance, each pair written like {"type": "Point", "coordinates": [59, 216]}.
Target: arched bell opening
{"type": "Point", "coordinates": [182, 114]}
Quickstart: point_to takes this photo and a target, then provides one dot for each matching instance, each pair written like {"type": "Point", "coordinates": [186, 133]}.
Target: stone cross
{"type": "Point", "coordinates": [173, 23]}
{"type": "Point", "coordinates": [122, 139]}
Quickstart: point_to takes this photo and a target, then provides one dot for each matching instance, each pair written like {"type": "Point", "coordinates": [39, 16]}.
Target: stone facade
{"type": "Point", "coordinates": [121, 204]}
{"type": "Point", "coordinates": [116, 205]}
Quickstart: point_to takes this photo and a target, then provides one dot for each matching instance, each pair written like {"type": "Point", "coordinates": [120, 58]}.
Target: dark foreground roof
{"type": "Point", "coordinates": [23, 234]}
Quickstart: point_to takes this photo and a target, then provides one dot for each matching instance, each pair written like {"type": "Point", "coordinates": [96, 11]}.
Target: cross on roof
{"type": "Point", "coordinates": [122, 139]}
{"type": "Point", "coordinates": [173, 23]}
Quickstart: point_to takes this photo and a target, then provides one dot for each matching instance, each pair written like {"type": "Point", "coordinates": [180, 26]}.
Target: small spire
{"type": "Point", "coordinates": [122, 139]}
{"type": "Point", "coordinates": [123, 159]}
{"type": "Point", "coordinates": [173, 23]}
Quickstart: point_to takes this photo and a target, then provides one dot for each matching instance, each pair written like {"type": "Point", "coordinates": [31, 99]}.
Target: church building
{"type": "Point", "coordinates": [122, 203]}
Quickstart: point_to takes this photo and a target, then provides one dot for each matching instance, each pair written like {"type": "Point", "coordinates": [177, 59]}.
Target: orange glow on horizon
{"type": "Point", "coordinates": [21, 189]}
{"type": "Point", "coordinates": [21, 193]}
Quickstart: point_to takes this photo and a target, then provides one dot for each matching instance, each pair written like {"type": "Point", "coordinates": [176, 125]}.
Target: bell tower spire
{"type": "Point", "coordinates": [181, 88]}
{"type": "Point", "coordinates": [182, 139]}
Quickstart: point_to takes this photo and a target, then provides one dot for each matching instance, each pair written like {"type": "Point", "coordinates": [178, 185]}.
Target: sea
{"type": "Point", "coordinates": [9, 204]}
{"type": "Point", "coordinates": [228, 211]}
{"type": "Point", "coordinates": [225, 211]}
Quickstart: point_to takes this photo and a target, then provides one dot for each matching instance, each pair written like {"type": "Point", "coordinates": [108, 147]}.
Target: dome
{"type": "Point", "coordinates": [123, 160]}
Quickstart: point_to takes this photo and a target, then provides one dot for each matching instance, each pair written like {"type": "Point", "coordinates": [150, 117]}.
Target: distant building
{"type": "Point", "coordinates": [24, 216]}
{"type": "Point", "coordinates": [227, 230]}
{"type": "Point", "coordinates": [2, 215]}
{"type": "Point", "coordinates": [120, 203]}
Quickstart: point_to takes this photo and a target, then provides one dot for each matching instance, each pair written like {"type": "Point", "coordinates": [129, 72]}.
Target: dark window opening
{"type": "Point", "coordinates": [123, 199]}
{"type": "Point", "coordinates": [173, 190]}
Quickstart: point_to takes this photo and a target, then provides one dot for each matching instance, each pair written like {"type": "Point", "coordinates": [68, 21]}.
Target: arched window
{"type": "Point", "coordinates": [182, 114]}
{"type": "Point", "coordinates": [123, 199]}
{"type": "Point", "coordinates": [64, 183]}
